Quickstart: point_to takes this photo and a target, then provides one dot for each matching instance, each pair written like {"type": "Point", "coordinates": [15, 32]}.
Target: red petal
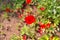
{"type": "Point", "coordinates": [48, 25]}
{"type": "Point", "coordinates": [43, 26]}
{"type": "Point", "coordinates": [28, 1]}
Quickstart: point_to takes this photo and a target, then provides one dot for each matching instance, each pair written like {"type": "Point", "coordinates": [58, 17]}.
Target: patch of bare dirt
{"type": "Point", "coordinates": [9, 28]}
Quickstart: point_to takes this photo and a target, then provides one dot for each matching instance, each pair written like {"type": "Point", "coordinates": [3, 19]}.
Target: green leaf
{"type": "Point", "coordinates": [45, 37]}
{"type": "Point", "coordinates": [3, 7]}
{"type": "Point", "coordinates": [51, 29]}
{"type": "Point", "coordinates": [55, 38]}
{"type": "Point", "coordinates": [5, 15]}
{"type": "Point", "coordinates": [14, 37]}
{"type": "Point", "coordinates": [24, 30]}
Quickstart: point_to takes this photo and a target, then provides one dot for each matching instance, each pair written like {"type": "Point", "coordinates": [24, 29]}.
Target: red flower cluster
{"type": "Point", "coordinates": [29, 19]}
{"type": "Point", "coordinates": [43, 26]}
{"type": "Point", "coordinates": [28, 1]}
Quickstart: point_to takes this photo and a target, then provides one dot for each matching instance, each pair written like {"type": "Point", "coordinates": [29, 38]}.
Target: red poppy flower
{"type": "Point", "coordinates": [29, 19]}
{"type": "Point", "coordinates": [24, 37]}
{"type": "Point", "coordinates": [7, 10]}
{"type": "Point", "coordinates": [28, 1]}
{"type": "Point", "coordinates": [42, 8]}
